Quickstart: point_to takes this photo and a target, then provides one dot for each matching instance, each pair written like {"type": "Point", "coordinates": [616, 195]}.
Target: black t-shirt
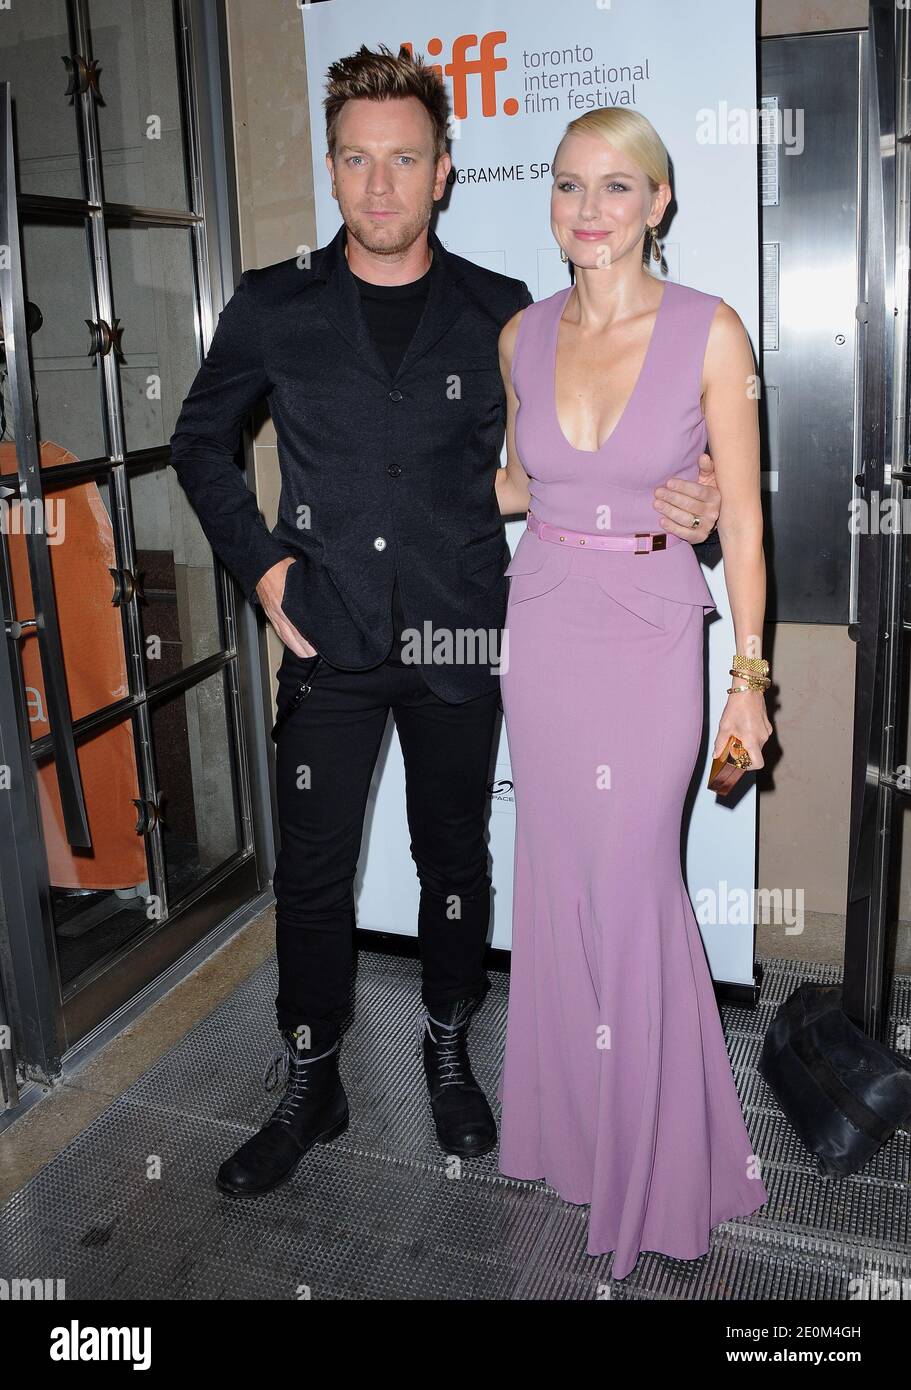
{"type": "Point", "coordinates": [392, 313]}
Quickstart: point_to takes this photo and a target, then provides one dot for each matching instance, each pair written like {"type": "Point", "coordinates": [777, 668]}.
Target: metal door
{"type": "Point", "coordinates": [128, 671]}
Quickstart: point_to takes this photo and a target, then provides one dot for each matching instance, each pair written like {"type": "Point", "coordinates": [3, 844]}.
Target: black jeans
{"type": "Point", "coordinates": [326, 750]}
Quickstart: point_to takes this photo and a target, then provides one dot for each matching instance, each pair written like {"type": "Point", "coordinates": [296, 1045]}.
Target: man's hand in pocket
{"type": "Point", "coordinates": [270, 591]}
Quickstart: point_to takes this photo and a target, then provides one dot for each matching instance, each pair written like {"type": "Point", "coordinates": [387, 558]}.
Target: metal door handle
{"type": "Point", "coordinates": [16, 628]}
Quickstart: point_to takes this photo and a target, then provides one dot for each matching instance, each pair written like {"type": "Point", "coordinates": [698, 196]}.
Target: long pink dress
{"type": "Point", "coordinates": [616, 1084]}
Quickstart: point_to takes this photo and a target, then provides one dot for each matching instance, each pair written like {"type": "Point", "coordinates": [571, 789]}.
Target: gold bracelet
{"type": "Point", "coordinates": [736, 689]}
{"type": "Point", "coordinates": [755, 682]}
{"type": "Point", "coordinates": [751, 665]}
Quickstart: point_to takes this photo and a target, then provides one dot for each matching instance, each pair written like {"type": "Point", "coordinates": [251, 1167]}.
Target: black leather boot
{"type": "Point", "coordinates": [313, 1110]}
{"type": "Point", "coordinates": [463, 1119]}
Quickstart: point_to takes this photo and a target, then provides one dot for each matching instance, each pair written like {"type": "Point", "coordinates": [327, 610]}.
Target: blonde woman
{"type": "Point", "coordinates": [616, 1086]}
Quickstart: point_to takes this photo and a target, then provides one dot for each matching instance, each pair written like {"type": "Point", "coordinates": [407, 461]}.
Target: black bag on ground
{"type": "Point", "coordinates": [844, 1092]}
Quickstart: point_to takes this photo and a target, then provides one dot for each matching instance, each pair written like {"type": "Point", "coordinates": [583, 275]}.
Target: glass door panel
{"type": "Point", "coordinates": [100, 897]}
{"type": "Point", "coordinates": [33, 39]}
{"type": "Point", "coordinates": [200, 824]}
{"type": "Point", "coordinates": [154, 286]}
{"type": "Point", "coordinates": [69, 383]}
{"type": "Point", "coordinates": [179, 600]}
{"type": "Point", "coordinates": [140, 123]}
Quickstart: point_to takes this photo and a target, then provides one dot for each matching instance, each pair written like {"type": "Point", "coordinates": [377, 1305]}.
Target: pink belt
{"type": "Point", "coordinates": [651, 540]}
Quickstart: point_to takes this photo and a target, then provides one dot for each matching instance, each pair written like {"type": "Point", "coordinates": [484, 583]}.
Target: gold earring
{"type": "Point", "coordinates": [563, 256]}
{"type": "Point", "coordinates": [656, 249]}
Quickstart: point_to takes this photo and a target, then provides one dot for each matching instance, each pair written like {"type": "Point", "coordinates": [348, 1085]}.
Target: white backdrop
{"type": "Point", "coordinates": [518, 71]}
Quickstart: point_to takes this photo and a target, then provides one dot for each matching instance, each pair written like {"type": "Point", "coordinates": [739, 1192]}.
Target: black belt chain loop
{"type": "Point", "coordinates": [300, 694]}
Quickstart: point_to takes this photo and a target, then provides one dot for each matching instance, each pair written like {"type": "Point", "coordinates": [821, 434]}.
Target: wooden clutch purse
{"type": "Point", "coordinates": [730, 765]}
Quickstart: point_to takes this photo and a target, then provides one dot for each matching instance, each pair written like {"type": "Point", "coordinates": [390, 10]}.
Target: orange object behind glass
{"type": "Point", "coordinates": [96, 673]}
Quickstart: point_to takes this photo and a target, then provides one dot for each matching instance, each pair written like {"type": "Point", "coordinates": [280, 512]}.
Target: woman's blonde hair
{"type": "Point", "coordinates": [628, 130]}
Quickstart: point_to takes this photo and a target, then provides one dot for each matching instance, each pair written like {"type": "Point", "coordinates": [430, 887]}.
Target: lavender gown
{"type": "Point", "coordinates": [616, 1084]}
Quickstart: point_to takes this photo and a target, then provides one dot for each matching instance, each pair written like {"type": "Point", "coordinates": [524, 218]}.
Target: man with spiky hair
{"type": "Point", "coordinates": [379, 357]}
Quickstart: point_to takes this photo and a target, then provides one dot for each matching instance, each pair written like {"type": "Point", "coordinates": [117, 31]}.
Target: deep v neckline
{"type": "Point", "coordinates": [646, 361]}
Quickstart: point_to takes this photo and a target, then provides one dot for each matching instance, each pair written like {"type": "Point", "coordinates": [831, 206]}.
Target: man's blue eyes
{"type": "Point", "coordinates": [403, 158]}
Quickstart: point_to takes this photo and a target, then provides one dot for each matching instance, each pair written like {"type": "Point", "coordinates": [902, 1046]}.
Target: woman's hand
{"type": "Point", "coordinates": [745, 716]}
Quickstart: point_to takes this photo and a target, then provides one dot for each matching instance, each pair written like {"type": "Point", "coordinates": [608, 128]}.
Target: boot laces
{"type": "Point", "coordinates": [450, 1042]}
{"type": "Point", "coordinates": [288, 1064]}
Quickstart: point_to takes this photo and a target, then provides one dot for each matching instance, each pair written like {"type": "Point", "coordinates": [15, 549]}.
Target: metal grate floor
{"type": "Point", "coordinates": [374, 1215]}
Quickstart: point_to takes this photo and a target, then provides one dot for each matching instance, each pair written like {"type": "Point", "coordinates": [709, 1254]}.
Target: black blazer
{"type": "Point", "coordinates": [380, 473]}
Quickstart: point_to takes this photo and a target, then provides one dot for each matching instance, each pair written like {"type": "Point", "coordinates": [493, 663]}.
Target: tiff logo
{"type": "Point", "coordinates": [460, 67]}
